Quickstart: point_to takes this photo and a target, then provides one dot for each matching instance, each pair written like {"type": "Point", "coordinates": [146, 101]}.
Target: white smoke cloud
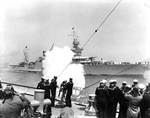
{"type": "Point", "coordinates": [58, 62]}
{"type": "Point", "coordinates": [76, 72]}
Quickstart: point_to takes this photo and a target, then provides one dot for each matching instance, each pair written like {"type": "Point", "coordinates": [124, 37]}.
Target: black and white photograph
{"type": "Point", "coordinates": [74, 59]}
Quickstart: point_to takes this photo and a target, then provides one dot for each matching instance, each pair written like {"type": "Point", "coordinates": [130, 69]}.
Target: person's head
{"type": "Point", "coordinates": [147, 90]}
{"type": "Point", "coordinates": [124, 83]}
{"type": "Point", "coordinates": [64, 81]}
{"type": "Point", "coordinates": [42, 78]}
{"type": "Point", "coordinates": [135, 91]}
{"type": "Point", "coordinates": [141, 87]}
{"type": "Point", "coordinates": [12, 88]}
{"type": "Point", "coordinates": [8, 92]}
{"type": "Point", "coordinates": [52, 80]}
{"type": "Point", "coordinates": [112, 83]}
{"type": "Point", "coordinates": [55, 77]}
{"type": "Point", "coordinates": [47, 81]}
{"type": "Point", "coordinates": [127, 88]}
{"type": "Point", "coordinates": [148, 84]}
{"type": "Point", "coordinates": [70, 79]}
{"type": "Point", "coordinates": [135, 82]}
{"type": "Point", "coordinates": [101, 84]}
{"type": "Point", "coordinates": [104, 81]}
{"type": "Point", "coordinates": [115, 82]}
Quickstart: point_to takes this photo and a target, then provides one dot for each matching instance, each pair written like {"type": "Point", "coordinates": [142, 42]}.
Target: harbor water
{"type": "Point", "coordinates": [31, 79]}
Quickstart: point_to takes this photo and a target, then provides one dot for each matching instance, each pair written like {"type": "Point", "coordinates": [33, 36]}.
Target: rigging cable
{"type": "Point", "coordinates": [107, 16]}
{"type": "Point", "coordinates": [101, 24]}
{"type": "Point", "coordinates": [130, 67]}
{"type": "Point", "coordinates": [123, 70]}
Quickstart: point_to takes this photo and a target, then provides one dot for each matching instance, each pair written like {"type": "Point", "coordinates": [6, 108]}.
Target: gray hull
{"type": "Point", "coordinates": [116, 69]}
{"type": "Point", "coordinates": [100, 69]}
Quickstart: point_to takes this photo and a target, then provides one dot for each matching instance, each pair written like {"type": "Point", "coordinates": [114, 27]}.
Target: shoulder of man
{"type": "Point", "coordinates": [24, 101]}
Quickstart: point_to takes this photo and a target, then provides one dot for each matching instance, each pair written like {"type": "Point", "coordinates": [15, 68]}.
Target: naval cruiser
{"type": "Point", "coordinates": [92, 66]}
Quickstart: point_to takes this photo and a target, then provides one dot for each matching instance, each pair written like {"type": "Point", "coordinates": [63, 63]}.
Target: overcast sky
{"type": "Point", "coordinates": [125, 36]}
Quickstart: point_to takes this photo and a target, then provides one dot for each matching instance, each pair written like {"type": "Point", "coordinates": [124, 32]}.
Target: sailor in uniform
{"type": "Point", "coordinates": [113, 99]}
{"type": "Point", "coordinates": [53, 86]}
{"type": "Point", "coordinates": [12, 104]}
{"type": "Point", "coordinates": [69, 89]}
{"type": "Point", "coordinates": [62, 90]}
{"type": "Point", "coordinates": [123, 87]}
{"type": "Point", "coordinates": [47, 90]}
{"type": "Point", "coordinates": [123, 102]}
{"type": "Point", "coordinates": [135, 83]}
{"type": "Point", "coordinates": [41, 83]}
{"type": "Point", "coordinates": [101, 102]}
{"type": "Point", "coordinates": [47, 95]}
{"type": "Point", "coordinates": [145, 103]}
{"type": "Point", "coordinates": [134, 97]}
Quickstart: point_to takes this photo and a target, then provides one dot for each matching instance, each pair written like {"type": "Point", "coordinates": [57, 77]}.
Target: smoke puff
{"type": "Point", "coordinates": [76, 72]}
{"type": "Point", "coordinates": [58, 62]}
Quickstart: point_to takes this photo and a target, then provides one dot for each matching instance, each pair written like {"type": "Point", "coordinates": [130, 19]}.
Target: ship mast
{"type": "Point", "coordinates": [75, 45]}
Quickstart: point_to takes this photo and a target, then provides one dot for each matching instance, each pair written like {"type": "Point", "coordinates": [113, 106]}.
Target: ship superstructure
{"type": "Point", "coordinates": [91, 65]}
{"type": "Point", "coordinates": [78, 58]}
{"type": "Point", "coordinates": [100, 67]}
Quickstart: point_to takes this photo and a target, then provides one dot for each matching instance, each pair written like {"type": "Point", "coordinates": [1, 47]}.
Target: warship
{"type": "Point", "coordinates": [92, 66]}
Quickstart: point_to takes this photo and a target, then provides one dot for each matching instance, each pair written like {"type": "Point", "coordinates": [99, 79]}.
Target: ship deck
{"type": "Point", "coordinates": [79, 111]}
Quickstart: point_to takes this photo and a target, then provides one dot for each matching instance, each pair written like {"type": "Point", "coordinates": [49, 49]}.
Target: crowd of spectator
{"type": "Point", "coordinates": [133, 100]}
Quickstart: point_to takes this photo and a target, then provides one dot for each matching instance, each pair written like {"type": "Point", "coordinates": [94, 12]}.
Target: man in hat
{"type": "Point", "coordinates": [41, 84]}
{"type": "Point", "coordinates": [101, 102]}
{"type": "Point", "coordinates": [145, 103]}
{"type": "Point", "coordinates": [113, 98]}
{"type": "Point", "coordinates": [134, 98]}
{"type": "Point", "coordinates": [142, 88]}
{"type": "Point", "coordinates": [123, 87]}
{"type": "Point", "coordinates": [147, 88]}
{"type": "Point", "coordinates": [62, 90]}
{"type": "Point", "coordinates": [69, 89]}
{"type": "Point", "coordinates": [47, 90]}
{"type": "Point", "coordinates": [12, 104]}
{"type": "Point", "coordinates": [123, 101]}
{"type": "Point", "coordinates": [53, 86]}
{"type": "Point", "coordinates": [135, 83]}
{"type": "Point", "coordinates": [47, 96]}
